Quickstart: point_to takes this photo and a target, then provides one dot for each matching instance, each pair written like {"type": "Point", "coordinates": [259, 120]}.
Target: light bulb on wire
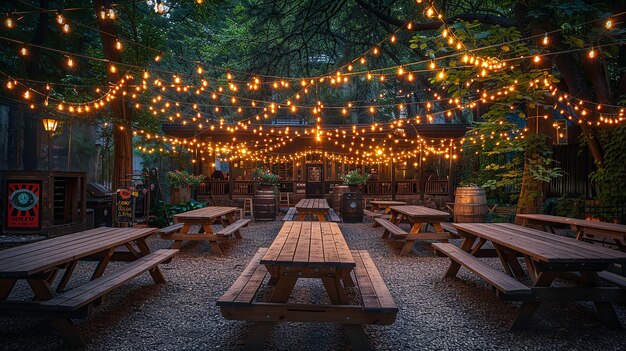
{"type": "Point", "coordinates": [9, 22]}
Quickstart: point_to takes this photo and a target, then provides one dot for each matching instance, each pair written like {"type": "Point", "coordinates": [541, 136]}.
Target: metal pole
{"type": "Point", "coordinates": [69, 149]}
{"type": "Point", "coordinates": [49, 151]}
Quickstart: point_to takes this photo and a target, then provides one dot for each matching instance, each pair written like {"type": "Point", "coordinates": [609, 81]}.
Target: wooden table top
{"type": "Point", "coordinates": [621, 228]}
{"type": "Point", "coordinates": [420, 211]}
{"type": "Point", "coordinates": [312, 204]}
{"type": "Point", "coordinates": [40, 256]}
{"type": "Point", "coordinates": [309, 244]}
{"type": "Point", "coordinates": [209, 212]}
{"type": "Point", "coordinates": [541, 246]}
{"type": "Point", "coordinates": [387, 202]}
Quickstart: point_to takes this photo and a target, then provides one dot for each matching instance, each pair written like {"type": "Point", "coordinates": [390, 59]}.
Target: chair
{"type": "Point", "coordinates": [283, 199]}
{"type": "Point", "coordinates": [247, 207]}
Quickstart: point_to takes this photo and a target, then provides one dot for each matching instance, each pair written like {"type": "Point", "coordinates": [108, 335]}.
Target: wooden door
{"type": "Point", "coordinates": [314, 180]}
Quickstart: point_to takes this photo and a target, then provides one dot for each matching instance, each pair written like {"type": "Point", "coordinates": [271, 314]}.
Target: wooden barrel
{"type": "Point", "coordinates": [338, 191]}
{"type": "Point", "coordinates": [470, 205]}
{"type": "Point", "coordinates": [264, 205]}
{"type": "Point", "coordinates": [352, 207]}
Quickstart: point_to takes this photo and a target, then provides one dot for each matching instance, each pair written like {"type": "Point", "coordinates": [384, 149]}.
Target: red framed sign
{"type": "Point", "coordinates": [23, 209]}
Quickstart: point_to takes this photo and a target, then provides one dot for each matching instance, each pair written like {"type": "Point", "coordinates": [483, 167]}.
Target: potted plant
{"type": "Point", "coordinates": [181, 184]}
{"type": "Point", "coordinates": [354, 179]}
{"type": "Point", "coordinates": [267, 180]}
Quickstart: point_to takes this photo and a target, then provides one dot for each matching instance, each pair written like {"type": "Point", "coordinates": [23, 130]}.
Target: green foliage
{"type": "Point", "coordinates": [163, 221]}
{"type": "Point", "coordinates": [184, 179]}
{"type": "Point", "coordinates": [570, 205]}
{"type": "Point", "coordinates": [610, 180]}
{"type": "Point", "coordinates": [266, 177]}
{"type": "Point", "coordinates": [355, 178]}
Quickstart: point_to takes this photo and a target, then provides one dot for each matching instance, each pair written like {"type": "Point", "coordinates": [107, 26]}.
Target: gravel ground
{"type": "Point", "coordinates": [435, 313]}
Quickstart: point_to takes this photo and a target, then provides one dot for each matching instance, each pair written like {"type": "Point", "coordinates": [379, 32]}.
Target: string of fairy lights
{"type": "Point", "coordinates": [223, 103]}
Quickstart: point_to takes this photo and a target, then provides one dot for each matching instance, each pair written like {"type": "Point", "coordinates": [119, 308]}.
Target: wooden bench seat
{"type": "Point", "coordinates": [174, 228]}
{"type": "Point", "coordinates": [390, 228]}
{"type": "Point", "coordinates": [79, 303]}
{"type": "Point", "coordinates": [95, 289]}
{"type": "Point", "coordinates": [372, 214]}
{"type": "Point", "coordinates": [376, 306]}
{"type": "Point", "coordinates": [291, 213]}
{"type": "Point", "coordinates": [374, 293]}
{"type": "Point", "coordinates": [234, 228]}
{"type": "Point", "coordinates": [395, 232]}
{"type": "Point", "coordinates": [448, 227]}
{"type": "Point", "coordinates": [333, 216]}
{"type": "Point", "coordinates": [613, 279]}
{"type": "Point", "coordinates": [245, 287]}
{"type": "Point", "coordinates": [507, 287]}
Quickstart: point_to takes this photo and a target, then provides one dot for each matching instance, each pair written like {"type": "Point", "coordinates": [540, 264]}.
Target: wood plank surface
{"type": "Point", "coordinates": [309, 244]}
{"type": "Point", "coordinates": [537, 245]}
{"type": "Point", "coordinates": [209, 212]}
{"type": "Point", "coordinates": [420, 211]}
{"type": "Point", "coordinates": [42, 258]}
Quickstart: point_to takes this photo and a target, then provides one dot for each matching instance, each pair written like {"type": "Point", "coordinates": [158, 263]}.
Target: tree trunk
{"type": "Point", "coordinates": [32, 126]}
{"type": "Point", "coordinates": [577, 87]}
{"type": "Point", "coordinates": [122, 133]}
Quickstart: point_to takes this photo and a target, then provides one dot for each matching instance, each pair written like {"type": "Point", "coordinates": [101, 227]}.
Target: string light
{"type": "Point", "coordinates": [592, 53]}
{"type": "Point", "coordinates": [9, 22]}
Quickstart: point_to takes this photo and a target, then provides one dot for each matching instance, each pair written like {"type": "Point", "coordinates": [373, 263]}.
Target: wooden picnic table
{"type": "Point", "coordinates": [39, 264]}
{"type": "Point", "coordinates": [204, 218]}
{"type": "Point", "coordinates": [582, 228]}
{"type": "Point", "coordinates": [314, 250]}
{"type": "Point", "coordinates": [418, 216]}
{"type": "Point", "coordinates": [546, 256]}
{"type": "Point", "coordinates": [378, 205]}
{"type": "Point", "coordinates": [316, 208]}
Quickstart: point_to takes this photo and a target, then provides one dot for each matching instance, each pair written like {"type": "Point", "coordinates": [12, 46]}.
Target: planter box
{"type": "Point", "coordinates": [180, 195]}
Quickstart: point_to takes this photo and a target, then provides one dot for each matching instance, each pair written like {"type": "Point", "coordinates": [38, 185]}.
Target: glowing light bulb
{"type": "Point", "coordinates": [65, 28]}
{"type": "Point", "coordinates": [60, 18]}
{"type": "Point", "coordinates": [9, 22]}
{"type": "Point", "coordinates": [24, 51]}
{"type": "Point", "coordinates": [118, 44]}
{"type": "Point", "coordinates": [199, 70]}
{"type": "Point", "coordinates": [112, 68]}
{"type": "Point", "coordinates": [546, 39]}
{"type": "Point", "coordinates": [608, 24]}
{"type": "Point", "coordinates": [70, 62]}
{"type": "Point", "coordinates": [157, 58]}
{"type": "Point", "coordinates": [592, 53]}
{"type": "Point", "coordinates": [430, 12]}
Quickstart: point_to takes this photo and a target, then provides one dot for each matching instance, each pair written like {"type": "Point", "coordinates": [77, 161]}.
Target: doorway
{"type": "Point", "coordinates": [314, 180]}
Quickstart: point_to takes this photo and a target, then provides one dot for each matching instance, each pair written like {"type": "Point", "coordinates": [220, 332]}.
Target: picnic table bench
{"type": "Point", "coordinates": [546, 256]}
{"type": "Point", "coordinates": [419, 217]}
{"type": "Point", "coordinates": [316, 208]}
{"type": "Point", "coordinates": [583, 229]}
{"type": "Point", "coordinates": [196, 225]}
{"type": "Point", "coordinates": [318, 251]}
{"type": "Point", "coordinates": [39, 263]}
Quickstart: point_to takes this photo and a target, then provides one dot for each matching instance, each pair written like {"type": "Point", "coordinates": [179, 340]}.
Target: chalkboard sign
{"type": "Point", "coordinates": [125, 205]}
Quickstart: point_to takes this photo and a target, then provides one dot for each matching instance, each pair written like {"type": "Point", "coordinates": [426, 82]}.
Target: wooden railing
{"type": "Point", "coordinates": [373, 187]}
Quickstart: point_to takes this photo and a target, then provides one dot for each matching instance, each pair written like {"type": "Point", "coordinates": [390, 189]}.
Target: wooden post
{"type": "Point", "coordinates": [450, 175]}
{"type": "Point", "coordinates": [231, 186]}
{"type": "Point", "coordinates": [393, 179]}
{"type": "Point", "coordinates": [422, 186]}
